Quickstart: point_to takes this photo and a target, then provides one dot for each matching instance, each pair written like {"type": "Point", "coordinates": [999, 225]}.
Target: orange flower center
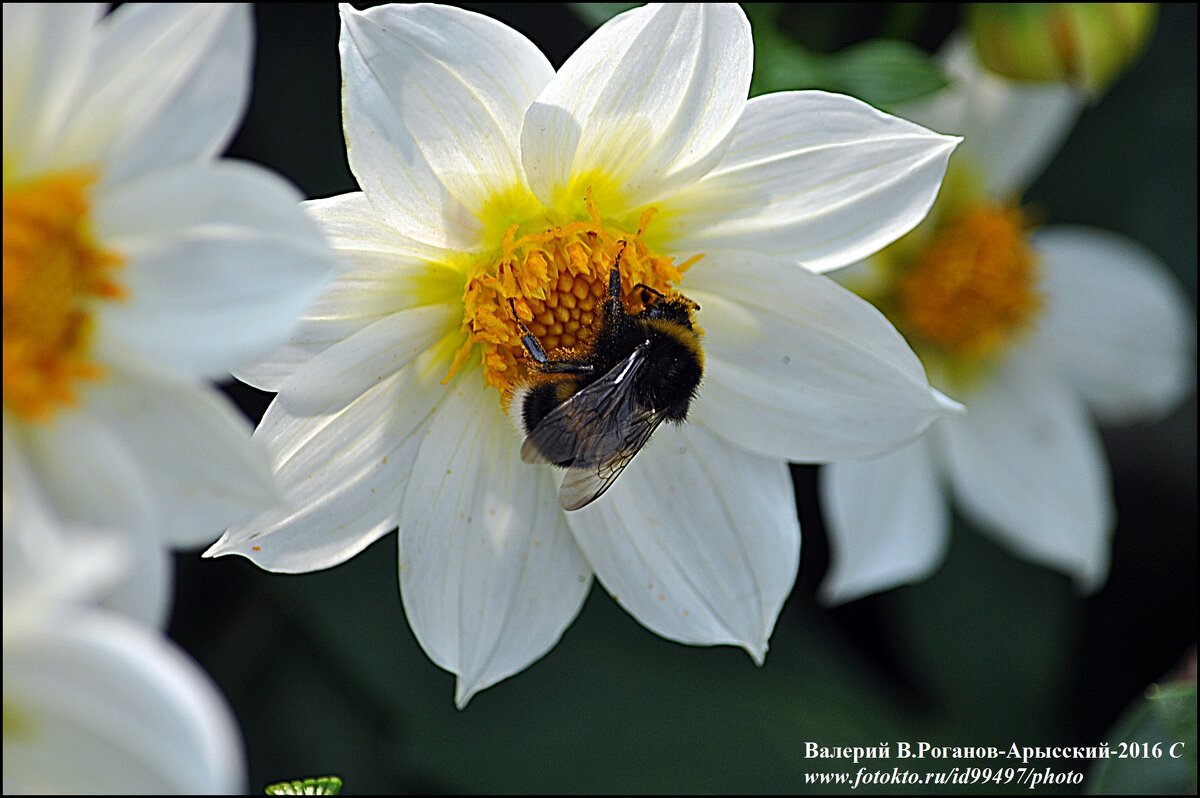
{"type": "Point", "coordinates": [54, 272]}
{"type": "Point", "coordinates": [974, 287]}
{"type": "Point", "coordinates": [557, 279]}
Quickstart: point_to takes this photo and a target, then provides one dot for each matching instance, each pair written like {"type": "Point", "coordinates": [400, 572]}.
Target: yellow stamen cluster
{"type": "Point", "coordinates": [557, 279]}
{"type": "Point", "coordinates": [54, 271]}
{"type": "Point", "coordinates": [973, 288]}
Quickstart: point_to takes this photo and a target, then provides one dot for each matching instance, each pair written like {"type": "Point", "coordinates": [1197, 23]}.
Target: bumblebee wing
{"type": "Point", "coordinates": [582, 486]}
{"type": "Point", "coordinates": [588, 425]}
{"type": "Point", "coordinates": [595, 433]}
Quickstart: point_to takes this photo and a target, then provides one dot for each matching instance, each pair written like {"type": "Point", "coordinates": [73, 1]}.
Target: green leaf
{"type": "Point", "coordinates": [781, 65]}
{"type": "Point", "coordinates": [599, 13]}
{"type": "Point", "coordinates": [881, 72]}
{"type": "Point", "coordinates": [885, 72]}
{"type": "Point", "coordinates": [320, 785]}
{"type": "Point", "coordinates": [1157, 737]}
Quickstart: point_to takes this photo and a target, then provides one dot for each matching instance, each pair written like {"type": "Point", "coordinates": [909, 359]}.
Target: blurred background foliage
{"type": "Point", "coordinates": [326, 677]}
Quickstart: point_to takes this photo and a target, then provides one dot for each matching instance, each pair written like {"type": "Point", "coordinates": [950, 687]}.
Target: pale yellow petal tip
{"type": "Point", "coordinates": [948, 142]}
{"type": "Point", "coordinates": [947, 405]}
{"type": "Point", "coordinates": [758, 652]}
{"type": "Point", "coordinates": [837, 590]}
{"type": "Point", "coordinates": [251, 553]}
{"type": "Point", "coordinates": [1091, 577]}
{"type": "Point", "coordinates": [463, 692]}
{"type": "Point", "coordinates": [833, 594]}
{"type": "Point", "coordinates": [218, 549]}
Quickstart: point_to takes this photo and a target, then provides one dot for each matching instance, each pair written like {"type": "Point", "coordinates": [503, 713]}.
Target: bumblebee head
{"type": "Point", "coordinates": [673, 307]}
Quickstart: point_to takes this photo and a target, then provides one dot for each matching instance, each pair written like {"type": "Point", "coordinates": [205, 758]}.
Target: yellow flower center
{"type": "Point", "coordinates": [557, 279]}
{"type": "Point", "coordinates": [972, 289]}
{"type": "Point", "coordinates": [54, 271]}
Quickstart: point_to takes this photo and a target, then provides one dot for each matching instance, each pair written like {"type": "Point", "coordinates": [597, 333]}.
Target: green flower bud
{"type": "Point", "coordinates": [1085, 44]}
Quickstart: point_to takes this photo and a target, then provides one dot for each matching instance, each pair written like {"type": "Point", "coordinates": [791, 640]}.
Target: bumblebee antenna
{"type": "Point", "coordinates": [614, 308]}
{"type": "Point", "coordinates": [614, 277]}
{"type": "Point", "coordinates": [648, 292]}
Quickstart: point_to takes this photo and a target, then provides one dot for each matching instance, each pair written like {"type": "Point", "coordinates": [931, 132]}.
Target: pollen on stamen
{"type": "Point", "coordinates": [974, 288]}
{"type": "Point", "coordinates": [557, 279]}
{"type": "Point", "coordinates": [55, 272]}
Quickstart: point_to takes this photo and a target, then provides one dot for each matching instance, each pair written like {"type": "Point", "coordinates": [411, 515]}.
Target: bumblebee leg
{"type": "Point", "coordinates": [566, 367]}
{"type": "Point", "coordinates": [534, 347]}
{"type": "Point", "coordinates": [545, 364]}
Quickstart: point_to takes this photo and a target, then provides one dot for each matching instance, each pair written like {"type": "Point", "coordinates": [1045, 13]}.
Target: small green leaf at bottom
{"type": "Point", "coordinates": [321, 785]}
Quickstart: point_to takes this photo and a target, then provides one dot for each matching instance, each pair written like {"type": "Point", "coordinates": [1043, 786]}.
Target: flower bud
{"type": "Point", "coordinates": [1085, 44]}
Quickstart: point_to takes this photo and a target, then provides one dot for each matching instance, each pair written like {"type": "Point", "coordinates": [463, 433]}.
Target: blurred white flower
{"type": "Point", "coordinates": [487, 177]}
{"type": "Point", "coordinates": [93, 702]}
{"type": "Point", "coordinates": [1031, 330]}
{"type": "Point", "coordinates": [137, 266]}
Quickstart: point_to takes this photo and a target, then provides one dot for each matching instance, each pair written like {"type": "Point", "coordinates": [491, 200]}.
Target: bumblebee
{"type": "Point", "coordinates": [591, 414]}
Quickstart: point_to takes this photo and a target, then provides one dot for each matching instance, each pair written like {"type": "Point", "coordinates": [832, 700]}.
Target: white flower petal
{"type": "Point", "coordinates": [74, 484]}
{"type": "Point", "coordinates": [95, 704]}
{"type": "Point", "coordinates": [167, 84]}
{"type": "Point", "coordinates": [799, 368]}
{"type": "Point", "coordinates": [348, 368]}
{"type": "Point", "coordinates": [146, 590]}
{"type": "Point", "coordinates": [193, 449]}
{"type": "Point", "coordinates": [220, 262]}
{"type": "Point", "coordinates": [433, 102]}
{"type": "Point", "coordinates": [697, 539]}
{"type": "Point", "coordinates": [648, 102]}
{"type": "Point", "coordinates": [1115, 324]}
{"type": "Point", "coordinates": [25, 513]}
{"type": "Point", "coordinates": [351, 224]}
{"type": "Point", "coordinates": [342, 473]}
{"type": "Point", "coordinates": [87, 473]}
{"type": "Point", "coordinates": [41, 564]}
{"type": "Point", "coordinates": [1027, 463]}
{"type": "Point", "coordinates": [887, 522]}
{"type": "Point", "coordinates": [819, 178]}
{"type": "Point", "coordinates": [379, 274]}
{"type": "Point", "coordinates": [46, 49]}
{"type": "Point", "coordinates": [1010, 129]}
{"type": "Point", "coordinates": [489, 573]}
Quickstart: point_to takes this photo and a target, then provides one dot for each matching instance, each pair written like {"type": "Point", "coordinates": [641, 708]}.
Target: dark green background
{"type": "Point", "coordinates": [325, 676]}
